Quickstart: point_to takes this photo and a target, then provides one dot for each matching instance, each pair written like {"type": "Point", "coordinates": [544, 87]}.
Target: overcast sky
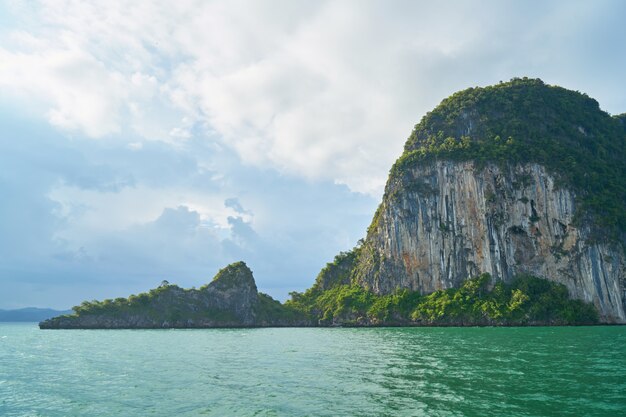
{"type": "Point", "coordinates": [143, 141]}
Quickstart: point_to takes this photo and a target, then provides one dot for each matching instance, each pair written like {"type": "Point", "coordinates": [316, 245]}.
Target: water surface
{"type": "Point", "coordinates": [313, 372]}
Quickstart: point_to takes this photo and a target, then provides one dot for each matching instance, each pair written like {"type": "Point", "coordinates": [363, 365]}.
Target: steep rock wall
{"type": "Point", "coordinates": [442, 222]}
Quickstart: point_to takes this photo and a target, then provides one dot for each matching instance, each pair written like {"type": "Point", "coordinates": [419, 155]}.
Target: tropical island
{"type": "Point", "coordinates": [507, 207]}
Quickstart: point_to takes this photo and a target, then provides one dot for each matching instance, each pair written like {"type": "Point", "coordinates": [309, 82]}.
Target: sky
{"type": "Point", "coordinates": [142, 141]}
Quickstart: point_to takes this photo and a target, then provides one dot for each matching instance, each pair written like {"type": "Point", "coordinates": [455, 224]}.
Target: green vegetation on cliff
{"type": "Point", "coordinates": [231, 299]}
{"type": "Point", "coordinates": [527, 121]}
{"type": "Point", "coordinates": [339, 271]}
{"type": "Point", "coordinates": [167, 303]}
{"type": "Point", "coordinates": [174, 304]}
{"type": "Point", "coordinates": [337, 299]}
{"type": "Point", "coordinates": [271, 312]}
{"type": "Point", "coordinates": [528, 300]}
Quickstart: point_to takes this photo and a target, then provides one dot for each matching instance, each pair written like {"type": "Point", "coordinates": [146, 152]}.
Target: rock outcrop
{"type": "Point", "coordinates": [233, 290]}
{"type": "Point", "coordinates": [230, 300]}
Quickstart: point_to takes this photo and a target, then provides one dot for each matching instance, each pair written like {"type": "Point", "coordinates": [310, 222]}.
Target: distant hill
{"type": "Point", "coordinates": [30, 314]}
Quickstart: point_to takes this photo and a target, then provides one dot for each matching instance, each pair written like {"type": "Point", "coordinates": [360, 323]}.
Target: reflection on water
{"type": "Point", "coordinates": [315, 372]}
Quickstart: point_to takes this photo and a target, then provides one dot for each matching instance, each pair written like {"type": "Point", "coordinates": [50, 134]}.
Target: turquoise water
{"type": "Point", "coordinates": [578, 371]}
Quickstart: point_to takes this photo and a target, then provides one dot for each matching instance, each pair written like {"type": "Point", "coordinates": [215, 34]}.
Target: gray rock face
{"type": "Point", "coordinates": [443, 222]}
{"type": "Point", "coordinates": [233, 289]}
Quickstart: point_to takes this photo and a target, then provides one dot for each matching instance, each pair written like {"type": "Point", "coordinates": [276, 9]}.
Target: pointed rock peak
{"type": "Point", "coordinates": [235, 275]}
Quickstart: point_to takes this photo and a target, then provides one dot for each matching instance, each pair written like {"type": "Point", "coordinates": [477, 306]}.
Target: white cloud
{"type": "Point", "coordinates": [90, 213]}
{"type": "Point", "coordinates": [323, 90]}
{"type": "Point", "coordinates": [80, 92]}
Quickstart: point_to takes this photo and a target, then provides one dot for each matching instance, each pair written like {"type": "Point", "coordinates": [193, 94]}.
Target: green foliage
{"type": "Point", "coordinates": [338, 272]}
{"type": "Point", "coordinates": [177, 305]}
{"type": "Point", "coordinates": [164, 303]}
{"type": "Point", "coordinates": [375, 220]}
{"type": "Point", "coordinates": [550, 302]}
{"type": "Point", "coordinates": [528, 300]}
{"type": "Point", "coordinates": [524, 121]}
{"type": "Point", "coordinates": [231, 276]}
{"type": "Point", "coordinates": [394, 307]}
{"type": "Point", "coordinates": [273, 312]}
{"type": "Point", "coordinates": [621, 118]}
{"type": "Point", "coordinates": [325, 305]}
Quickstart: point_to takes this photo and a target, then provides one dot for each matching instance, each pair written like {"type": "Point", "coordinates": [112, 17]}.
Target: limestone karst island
{"type": "Point", "coordinates": [507, 207]}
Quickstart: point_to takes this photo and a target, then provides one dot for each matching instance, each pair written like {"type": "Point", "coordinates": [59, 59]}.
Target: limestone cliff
{"type": "Point", "coordinates": [516, 178]}
{"type": "Point", "coordinates": [445, 221]}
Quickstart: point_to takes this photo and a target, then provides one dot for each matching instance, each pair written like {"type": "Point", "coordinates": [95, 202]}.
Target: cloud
{"type": "Point", "coordinates": [81, 94]}
{"type": "Point", "coordinates": [322, 90]}
{"type": "Point", "coordinates": [177, 245]}
{"type": "Point", "coordinates": [84, 220]}
{"type": "Point", "coordinates": [234, 203]}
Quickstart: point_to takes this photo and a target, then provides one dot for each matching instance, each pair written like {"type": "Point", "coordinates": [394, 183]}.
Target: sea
{"type": "Point", "coordinates": [512, 371]}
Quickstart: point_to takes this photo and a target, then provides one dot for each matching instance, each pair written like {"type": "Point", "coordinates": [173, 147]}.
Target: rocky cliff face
{"type": "Point", "coordinates": [442, 222]}
{"type": "Point", "coordinates": [233, 290]}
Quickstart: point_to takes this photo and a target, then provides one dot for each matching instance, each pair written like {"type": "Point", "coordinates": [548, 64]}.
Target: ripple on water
{"type": "Point", "coordinates": [315, 372]}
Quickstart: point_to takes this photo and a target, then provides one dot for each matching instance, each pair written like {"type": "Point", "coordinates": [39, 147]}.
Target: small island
{"type": "Point", "coordinates": [231, 299]}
